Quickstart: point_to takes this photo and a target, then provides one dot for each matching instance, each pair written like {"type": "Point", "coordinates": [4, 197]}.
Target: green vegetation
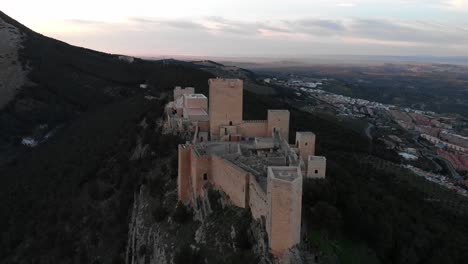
{"type": "Point", "coordinates": [345, 251]}
{"type": "Point", "coordinates": [432, 87]}
{"type": "Point", "coordinates": [182, 213]}
{"type": "Point", "coordinates": [370, 208]}
{"type": "Point", "coordinates": [69, 199]}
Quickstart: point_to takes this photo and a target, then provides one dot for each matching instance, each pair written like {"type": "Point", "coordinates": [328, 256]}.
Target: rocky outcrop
{"type": "Point", "coordinates": [146, 241]}
{"type": "Point", "coordinates": [214, 232]}
{"type": "Point", "coordinates": [12, 74]}
{"type": "Point", "coordinates": [140, 150]}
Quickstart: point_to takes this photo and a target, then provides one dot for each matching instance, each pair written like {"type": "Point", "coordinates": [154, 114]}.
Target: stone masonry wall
{"type": "Point", "coordinates": [200, 166]}
{"type": "Point", "coordinates": [253, 129]}
{"type": "Point", "coordinates": [183, 179]}
{"type": "Point", "coordinates": [230, 179]}
{"type": "Point", "coordinates": [257, 199]}
{"type": "Point", "coordinates": [195, 102]}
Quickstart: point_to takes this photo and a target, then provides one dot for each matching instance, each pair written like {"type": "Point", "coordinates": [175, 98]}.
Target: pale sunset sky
{"type": "Point", "coordinates": [258, 28]}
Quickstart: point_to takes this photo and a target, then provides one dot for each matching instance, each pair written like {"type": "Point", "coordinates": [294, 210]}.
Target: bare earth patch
{"type": "Point", "coordinates": [12, 75]}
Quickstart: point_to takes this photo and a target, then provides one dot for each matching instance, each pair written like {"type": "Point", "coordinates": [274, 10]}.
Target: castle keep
{"type": "Point", "coordinates": [250, 161]}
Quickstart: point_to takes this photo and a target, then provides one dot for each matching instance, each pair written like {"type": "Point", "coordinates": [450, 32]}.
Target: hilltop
{"type": "Point", "coordinates": [54, 82]}
{"type": "Point", "coordinates": [99, 184]}
{"type": "Point", "coordinates": [66, 137]}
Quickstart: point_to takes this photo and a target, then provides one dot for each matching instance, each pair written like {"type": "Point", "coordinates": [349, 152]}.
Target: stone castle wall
{"type": "Point", "coordinates": [196, 102]}
{"type": "Point", "coordinates": [257, 199]}
{"type": "Point", "coordinates": [200, 167]}
{"type": "Point", "coordinates": [253, 129]}
{"type": "Point", "coordinates": [230, 179]}
{"type": "Point", "coordinates": [183, 179]}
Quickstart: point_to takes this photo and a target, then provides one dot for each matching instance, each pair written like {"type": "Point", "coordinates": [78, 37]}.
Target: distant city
{"type": "Point", "coordinates": [414, 134]}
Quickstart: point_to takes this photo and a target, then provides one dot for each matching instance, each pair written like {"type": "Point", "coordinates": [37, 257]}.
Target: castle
{"type": "Point", "coordinates": [250, 161]}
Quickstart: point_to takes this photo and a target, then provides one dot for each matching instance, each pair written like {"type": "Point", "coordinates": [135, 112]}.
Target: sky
{"type": "Point", "coordinates": [252, 28]}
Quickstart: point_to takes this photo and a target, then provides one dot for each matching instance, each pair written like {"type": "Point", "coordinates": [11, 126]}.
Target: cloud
{"type": "Point", "coordinates": [85, 22]}
{"type": "Point", "coordinates": [409, 32]}
{"type": "Point", "coordinates": [215, 35]}
{"type": "Point", "coordinates": [318, 26]}
{"type": "Point", "coordinates": [368, 29]}
{"type": "Point", "coordinates": [223, 25]}
{"type": "Point", "coordinates": [174, 23]}
{"type": "Point", "coordinates": [346, 4]}
{"type": "Point", "coordinates": [457, 4]}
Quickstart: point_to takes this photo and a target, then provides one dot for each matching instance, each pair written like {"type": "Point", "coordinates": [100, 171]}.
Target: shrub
{"type": "Point", "coordinates": [213, 197]}
{"type": "Point", "coordinates": [188, 255]}
{"type": "Point", "coordinates": [181, 214]}
{"type": "Point", "coordinates": [159, 213]}
{"type": "Point", "coordinates": [142, 250]}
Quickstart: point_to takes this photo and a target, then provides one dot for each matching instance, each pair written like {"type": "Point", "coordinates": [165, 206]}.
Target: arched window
{"type": "Point", "coordinates": [230, 123]}
{"type": "Point", "coordinates": [205, 176]}
{"type": "Point", "coordinates": [316, 171]}
{"type": "Point", "coordinates": [306, 143]}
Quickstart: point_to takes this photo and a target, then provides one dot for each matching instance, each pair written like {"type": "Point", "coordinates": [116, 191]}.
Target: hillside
{"type": "Point", "coordinates": [64, 81]}
{"type": "Point", "coordinates": [100, 185]}
{"type": "Point", "coordinates": [83, 109]}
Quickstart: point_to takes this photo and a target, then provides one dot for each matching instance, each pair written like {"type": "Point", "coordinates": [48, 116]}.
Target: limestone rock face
{"type": "Point", "coordinates": [145, 241]}
{"type": "Point", "coordinates": [214, 232]}
{"type": "Point", "coordinates": [12, 74]}
{"type": "Point", "coordinates": [140, 151]}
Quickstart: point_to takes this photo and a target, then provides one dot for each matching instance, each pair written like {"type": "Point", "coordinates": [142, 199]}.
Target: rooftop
{"type": "Point", "coordinates": [308, 133]}
{"type": "Point", "coordinates": [317, 158]}
{"type": "Point", "coordinates": [195, 95]}
{"type": "Point", "coordinates": [277, 110]}
{"type": "Point", "coordinates": [284, 173]}
{"type": "Point", "coordinates": [244, 155]}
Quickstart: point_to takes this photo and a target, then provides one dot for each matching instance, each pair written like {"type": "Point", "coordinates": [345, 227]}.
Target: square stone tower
{"type": "Point", "coordinates": [278, 120]}
{"type": "Point", "coordinates": [225, 104]}
{"type": "Point", "coordinates": [284, 200]}
{"type": "Point", "coordinates": [179, 91]}
{"type": "Point", "coordinates": [305, 142]}
{"type": "Point", "coordinates": [316, 167]}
